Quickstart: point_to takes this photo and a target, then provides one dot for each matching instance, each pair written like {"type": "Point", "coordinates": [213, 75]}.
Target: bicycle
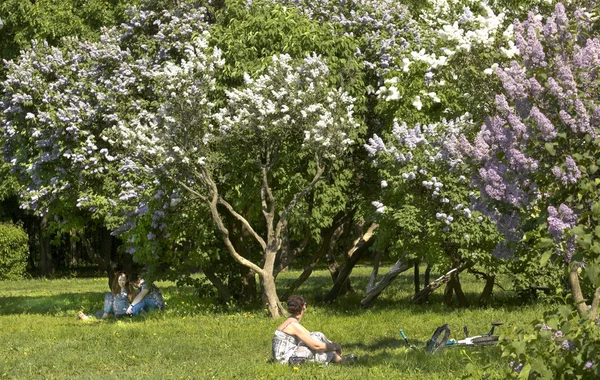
{"type": "Point", "coordinates": [438, 341]}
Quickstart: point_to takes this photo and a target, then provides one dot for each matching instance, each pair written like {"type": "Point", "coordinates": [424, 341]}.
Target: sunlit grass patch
{"type": "Point", "coordinates": [198, 338]}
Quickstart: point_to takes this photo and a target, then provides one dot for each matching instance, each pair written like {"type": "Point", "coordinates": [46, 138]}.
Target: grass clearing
{"type": "Point", "coordinates": [195, 338]}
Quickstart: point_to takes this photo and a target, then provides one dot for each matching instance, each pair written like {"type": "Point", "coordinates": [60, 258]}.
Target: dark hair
{"type": "Point", "coordinates": [295, 304]}
{"type": "Point", "coordinates": [116, 289]}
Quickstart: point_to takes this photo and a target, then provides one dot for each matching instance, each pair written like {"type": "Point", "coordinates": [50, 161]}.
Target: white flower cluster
{"type": "Point", "coordinates": [426, 143]}
{"type": "Point", "coordinates": [453, 28]}
{"type": "Point", "coordinates": [88, 106]}
{"type": "Point", "coordinates": [380, 208]}
{"type": "Point", "coordinates": [292, 96]}
{"type": "Point", "coordinates": [443, 217]}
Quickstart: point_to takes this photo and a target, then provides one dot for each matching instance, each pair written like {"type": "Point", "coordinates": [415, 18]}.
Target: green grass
{"type": "Point", "coordinates": [195, 338]}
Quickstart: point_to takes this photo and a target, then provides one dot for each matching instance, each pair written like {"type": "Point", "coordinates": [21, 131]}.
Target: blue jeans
{"type": "Point", "coordinates": [139, 308]}
{"type": "Point", "coordinates": [145, 305]}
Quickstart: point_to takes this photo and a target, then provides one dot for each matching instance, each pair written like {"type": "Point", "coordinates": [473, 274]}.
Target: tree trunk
{"type": "Point", "coordinates": [580, 304]}
{"type": "Point", "coordinates": [342, 279]}
{"type": "Point", "coordinates": [426, 280]}
{"type": "Point", "coordinates": [374, 272]}
{"type": "Point", "coordinates": [453, 287]}
{"type": "Point", "coordinates": [334, 271]}
{"type": "Point", "coordinates": [224, 294]}
{"type": "Point", "coordinates": [106, 247]}
{"type": "Point", "coordinates": [270, 298]}
{"type": "Point", "coordinates": [400, 266]}
{"type": "Point", "coordinates": [486, 294]}
{"type": "Point", "coordinates": [46, 267]}
{"type": "Point", "coordinates": [595, 304]}
{"type": "Point", "coordinates": [449, 291]}
{"type": "Point", "coordinates": [303, 276]}
{"type": "Point", "coordinates": [431, 287]}
{"type": "Point", "coordinates": [248, 285]}
{"type": "Point", "coordinates": [460, 295]}
{"type": "Point", "coordinates": [360, 246]}
{"type": "Point", "coordinates": [576, 292]}
{"type": "Point", "coordinates": [416, 277]}
{"type": "Point", "coordinates": [330, 237]}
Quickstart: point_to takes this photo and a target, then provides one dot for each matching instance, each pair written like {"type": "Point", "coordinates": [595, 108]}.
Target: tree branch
{"type": "Point", "coordinates": [243, 220]}
{"type": "Point", "coordinates": [580, 304]}
{"type": "Point", "coordinates": [290, 206]}
{"type": "Point", "coordinates": [212, 204]}
{"type": "Point", "coordinates": [266, 198]}
{"type": "Point", "coordinates": [192, 191]}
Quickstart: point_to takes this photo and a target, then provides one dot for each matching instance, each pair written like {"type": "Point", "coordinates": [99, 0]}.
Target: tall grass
{"type": "Point", "coordinates": [196, 338]}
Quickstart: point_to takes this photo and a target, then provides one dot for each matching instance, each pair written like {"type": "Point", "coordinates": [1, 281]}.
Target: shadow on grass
{"type": "Point", "coordinates": [397, 295]}
{"type": "Point", "coordinates": [382, 344]}
{"type": "Point", "coordinates": [88, 302]}
{"type": "Point", "coordinates": [187, 300]}
{"type": "Point", "coordinates": [51, 304]}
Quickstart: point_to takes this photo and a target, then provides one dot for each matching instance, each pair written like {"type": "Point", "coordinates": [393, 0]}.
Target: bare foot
{"type": "Point", "coordinates": [80, 315]}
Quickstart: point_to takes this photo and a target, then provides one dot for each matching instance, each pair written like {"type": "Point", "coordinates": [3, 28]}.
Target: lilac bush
{"type": "Point", "coordinates": [65, 109]}
{"type": "Point", "coordinates": [385, 28]}
{"type": "Point", "coordinates": [424, 205]}
{"type": "Point", "coordinates": [537, 157]}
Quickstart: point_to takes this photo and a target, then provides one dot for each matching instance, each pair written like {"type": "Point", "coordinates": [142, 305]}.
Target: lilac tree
{"type": "Point", "coordinates": [128, 128]}
{"type": "Point", "coordinates": [60, 105]}
{"type": "Point", "coordinates": [537, 157]}
{"type": "Point", "coordinates": [425, 199]}
{"type": "Point", "coordinates": [425, 202]}
{"type": "Point", "coordinates": [284, 129]}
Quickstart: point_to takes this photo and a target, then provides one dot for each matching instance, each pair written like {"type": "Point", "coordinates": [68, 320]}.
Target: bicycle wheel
{"type": "Point", "coordinates": [438, 341]}
{"type": "Point", "coordinates": [485, 340]}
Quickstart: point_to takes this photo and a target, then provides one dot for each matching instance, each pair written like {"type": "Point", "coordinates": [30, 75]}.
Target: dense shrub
{"type": "Point", "coordinates": [13, 251]}
{"type": "Point", "coordinates": [562, 346]}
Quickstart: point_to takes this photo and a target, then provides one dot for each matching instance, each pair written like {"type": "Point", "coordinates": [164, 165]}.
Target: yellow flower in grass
{"type": "Point", "coordinates": [296, 368]}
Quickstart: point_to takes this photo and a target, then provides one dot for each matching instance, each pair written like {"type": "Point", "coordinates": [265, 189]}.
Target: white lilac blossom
{"type": "Point", "coordinates": [380, 208]}
{"type": "Point", "coordinates": [83, 104]}
{"type": "Point", "coordinates": [427, 141]}
{"type": "Point", "coordinates": [328, 122]}
{"type": "Point", "coordinates": [385, 25]}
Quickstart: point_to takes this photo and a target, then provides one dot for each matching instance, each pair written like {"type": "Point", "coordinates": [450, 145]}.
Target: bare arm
{"type": "Point", "coordinates": [140, 296]}
{"type": "Point", "coordinates": [304, 335]}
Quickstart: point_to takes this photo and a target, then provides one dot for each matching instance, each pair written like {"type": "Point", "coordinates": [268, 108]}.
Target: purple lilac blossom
{"type": "Point", "coordinates": [513, 80]}
{"type": "Point", "coordinates": [544, 124]}
{"type": "Point", "coordinates": [517, 368]}
{"type": "Point", "coordinates": [589, 364]}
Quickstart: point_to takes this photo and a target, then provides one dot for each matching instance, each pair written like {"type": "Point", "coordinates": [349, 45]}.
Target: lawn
{"type": "Point", "coordinates": [196, 338]}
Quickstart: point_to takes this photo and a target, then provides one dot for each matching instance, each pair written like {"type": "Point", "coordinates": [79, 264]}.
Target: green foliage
{"type": "Point", "coordinates": [8, 183]}
{"type": "Point", "coordinates": [51, 20]}
{"type": "Point", "coordinates": [13, 251]}
{"type": "Point", "coordinates": [561, 345]}
{"type": "Point", "coordinates": [250, 35]}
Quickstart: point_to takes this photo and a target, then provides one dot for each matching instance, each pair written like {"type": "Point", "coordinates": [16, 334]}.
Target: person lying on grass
{"type": "Point", "coordinates": [148, 298]}
{"type": "Point", "coordinates": [294, 344]}
{"type": "Point", "coordinates": [117, 301]}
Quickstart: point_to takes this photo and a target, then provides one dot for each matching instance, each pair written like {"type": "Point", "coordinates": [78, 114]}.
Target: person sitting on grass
{"type": "Point", "coordinates": [148, 298]}
{"type": "Point", "coordinates": [294, 344]}
{"type": "Point", "coordinates": [117, 301]}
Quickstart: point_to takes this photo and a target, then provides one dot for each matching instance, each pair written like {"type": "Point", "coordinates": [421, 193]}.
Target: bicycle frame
{"type": "Point", "coordinates": [434, 344]}
{"type": "Point", "coordinates": [468, 341]}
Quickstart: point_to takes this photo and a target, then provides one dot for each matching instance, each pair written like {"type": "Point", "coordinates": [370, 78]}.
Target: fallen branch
{"type": "Point", "coordinates": [437, 283]}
